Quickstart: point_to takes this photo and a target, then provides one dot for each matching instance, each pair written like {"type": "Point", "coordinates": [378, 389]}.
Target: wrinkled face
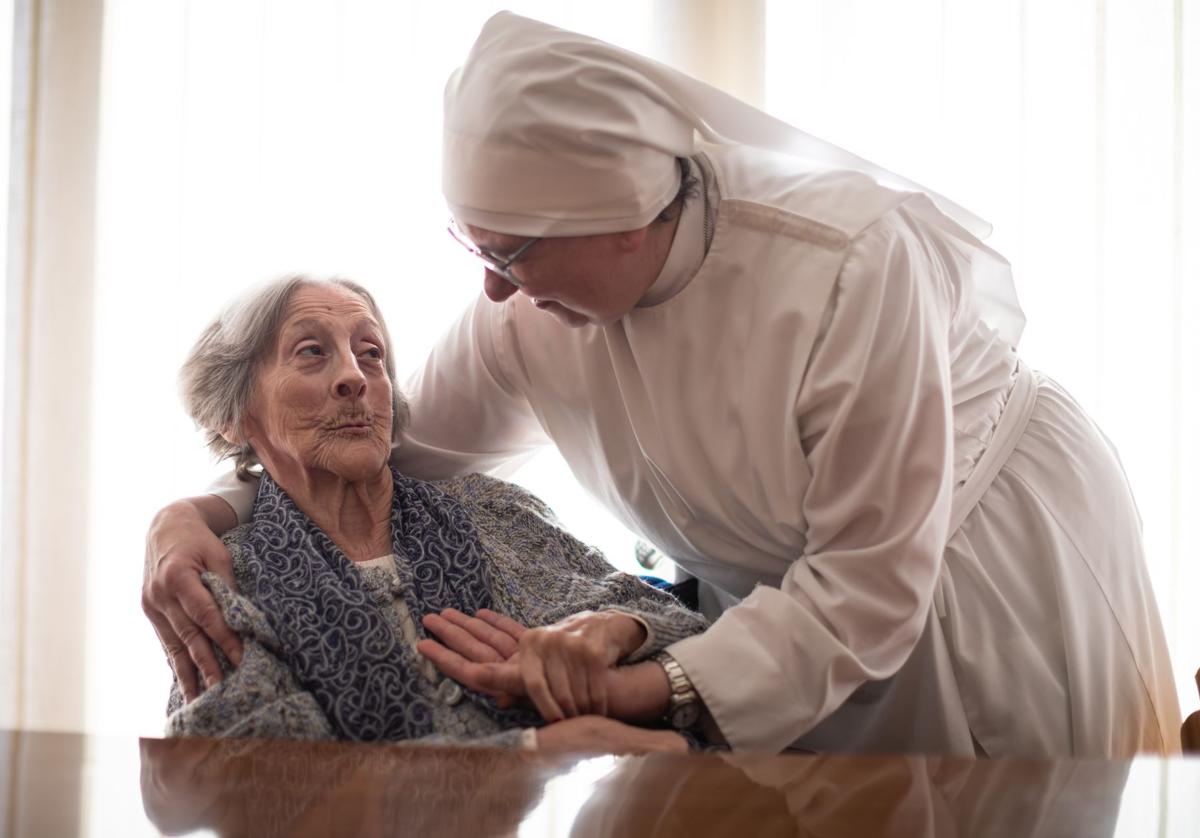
{"type": "Point", "coordinates": [323, 399]}
{"type": "Point", "coordinates": [577, 279]}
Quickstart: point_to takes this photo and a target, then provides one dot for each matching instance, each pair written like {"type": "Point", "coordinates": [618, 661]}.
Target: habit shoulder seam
{"type": "Point", "coordinates": [781, 222]}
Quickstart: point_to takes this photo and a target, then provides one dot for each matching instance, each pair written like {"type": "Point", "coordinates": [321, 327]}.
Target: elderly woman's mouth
{"type": "Point", "coordinates": [352, 427]}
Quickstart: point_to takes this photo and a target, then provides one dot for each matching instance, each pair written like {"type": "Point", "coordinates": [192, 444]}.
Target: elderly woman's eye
{"type": "Point", "coordinates": [312, 350]}
{"type": "Point", "coordinates": [373, 352]}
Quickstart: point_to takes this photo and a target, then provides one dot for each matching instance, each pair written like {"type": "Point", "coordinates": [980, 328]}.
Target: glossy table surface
{"type": "Point", "coordinates": [62, 784]}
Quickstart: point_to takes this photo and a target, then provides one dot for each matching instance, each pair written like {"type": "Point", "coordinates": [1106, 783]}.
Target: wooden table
{"type": "Point", "coordinates": [60, 784]}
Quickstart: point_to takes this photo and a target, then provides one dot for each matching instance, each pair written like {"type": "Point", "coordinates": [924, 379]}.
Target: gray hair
{"type": "Point", "coordinates": [220, 372]}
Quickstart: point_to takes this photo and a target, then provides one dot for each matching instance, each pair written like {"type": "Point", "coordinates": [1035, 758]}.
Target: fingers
{"type": "Point", "coordinates": [201, 609]}
{"type": "Point", "coordinates": [502, 680]}
{"type": "Point", "coordinates": [185, 671]}
{"type": "Point", "coordinates": [533, 675]}
{"type": "Point", "coordinates": [449, 663]}
{"type": "Point", "coordinates": [576, 681]}
{"type": "Point", "coordinates": [196, 645]}
{"type": "Point", "coordinates": [595, 734]}
{"type": "Point", "coordinates": [598, 689]}
{"type": "Point", "coordinates": [562, 682]}
{"type": "Point", "coordinates": [470, 637]}
{"type": "Point", "coordinates": [573, 667]}
{"type": "Point", "coordinates": [219, 562]}
{"type": "Point", "coordinates": [670, 741]}
{"type": "Point", "coordinates": [505, 624]}
{"type": "Point", "coordinates": [181, 664]}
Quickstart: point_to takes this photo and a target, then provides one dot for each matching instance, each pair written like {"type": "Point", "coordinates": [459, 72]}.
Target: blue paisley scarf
{"type": "Point", "coordinates": [335, 637]}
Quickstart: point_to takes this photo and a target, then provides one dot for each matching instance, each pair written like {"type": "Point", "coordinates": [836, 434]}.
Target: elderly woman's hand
{"type": "Point", "coordinates": [564, 668]}
{"type": "Point", "coordinates": [600, 735]}
{"type": "Point", "coordinates": [473, 649]}
{"type": "Point", "coordinates": [179, 547]}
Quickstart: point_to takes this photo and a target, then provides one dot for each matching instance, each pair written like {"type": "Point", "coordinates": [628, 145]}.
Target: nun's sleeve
{"type": "Point", "coordinates": [541, 574]}
{"type": "Point", "coordinates": [466, 414]}
{"type": "Point", "coordinates": [238, 493]}
{"type": "Point", "coordinates": [874, 417]}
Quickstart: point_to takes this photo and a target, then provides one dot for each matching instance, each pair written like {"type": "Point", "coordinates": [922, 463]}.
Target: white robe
{"type": "Point", "coordinates": [789, 416]}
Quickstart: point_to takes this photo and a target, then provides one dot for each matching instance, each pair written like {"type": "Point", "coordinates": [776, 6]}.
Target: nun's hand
{"type": "Point", "coordinates": [566, 667]}
{"type": "Point", "coordinates": [179, 547]}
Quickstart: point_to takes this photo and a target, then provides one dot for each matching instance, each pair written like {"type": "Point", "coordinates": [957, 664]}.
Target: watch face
{"type": "Point", "coordinates": [685, 715]}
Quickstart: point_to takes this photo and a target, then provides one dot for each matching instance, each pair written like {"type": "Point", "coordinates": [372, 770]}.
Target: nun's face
{"type": "Point", "coordinates": [580, 279]}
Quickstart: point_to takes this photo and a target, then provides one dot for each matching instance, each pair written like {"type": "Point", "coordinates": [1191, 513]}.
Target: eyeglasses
{"type": "Point", "coordinates": [494, 262]}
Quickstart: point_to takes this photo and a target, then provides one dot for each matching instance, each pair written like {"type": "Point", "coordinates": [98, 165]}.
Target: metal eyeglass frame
{"type": "Point", "coordinates": [494, 262]}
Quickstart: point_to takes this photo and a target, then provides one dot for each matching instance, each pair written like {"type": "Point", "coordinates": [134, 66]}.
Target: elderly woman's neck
{"type": "Point", "coordinates": [355, 514]}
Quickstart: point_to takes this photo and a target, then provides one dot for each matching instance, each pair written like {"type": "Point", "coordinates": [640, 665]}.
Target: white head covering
{"type": "Point", "coordinates": [551, 133]}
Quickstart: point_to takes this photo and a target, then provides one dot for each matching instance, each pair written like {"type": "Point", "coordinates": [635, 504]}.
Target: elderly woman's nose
{"type": "Point", "coordinates": [350, 382]}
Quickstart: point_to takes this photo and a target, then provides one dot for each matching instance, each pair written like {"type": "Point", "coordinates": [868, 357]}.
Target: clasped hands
{"type": "Point", "coordinates": [565, 670]}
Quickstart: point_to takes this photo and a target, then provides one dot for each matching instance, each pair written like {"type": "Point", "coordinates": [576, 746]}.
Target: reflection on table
{"type": "Point", "coordinates": [64, 784]}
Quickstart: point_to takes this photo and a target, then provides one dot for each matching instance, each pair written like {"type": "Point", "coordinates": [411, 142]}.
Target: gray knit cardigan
{"type": "Point", "coordinates": [539, 574]}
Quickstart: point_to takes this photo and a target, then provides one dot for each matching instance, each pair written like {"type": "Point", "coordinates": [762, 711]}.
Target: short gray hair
{"type": "Point", "coordinates": [220, 372]}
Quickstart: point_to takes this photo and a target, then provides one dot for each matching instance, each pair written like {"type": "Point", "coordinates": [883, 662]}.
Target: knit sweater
{"type": "Point", "coordinates": [539, 574]}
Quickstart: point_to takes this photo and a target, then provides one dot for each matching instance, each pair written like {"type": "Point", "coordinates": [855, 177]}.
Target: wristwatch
{"type": "Point", "coordinates": [683, 711]}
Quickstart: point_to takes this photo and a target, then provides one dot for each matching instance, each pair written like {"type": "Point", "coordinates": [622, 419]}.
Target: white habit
{"type": "Point", "coordinates": [790, 417]}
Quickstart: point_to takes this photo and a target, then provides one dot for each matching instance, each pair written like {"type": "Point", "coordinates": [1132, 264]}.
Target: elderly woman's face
{"type": "Point", "coordinates": [323, 399]}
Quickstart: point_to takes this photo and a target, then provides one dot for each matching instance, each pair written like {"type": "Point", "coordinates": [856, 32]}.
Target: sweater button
{"type": "Point", "coordinates": [449, 692]}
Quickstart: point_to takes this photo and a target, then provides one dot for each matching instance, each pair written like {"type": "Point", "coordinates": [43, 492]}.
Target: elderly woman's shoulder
{"type": "Point", "coordinates": [233, 538]}
{"type": "Point", "coordinates": [479, 492]}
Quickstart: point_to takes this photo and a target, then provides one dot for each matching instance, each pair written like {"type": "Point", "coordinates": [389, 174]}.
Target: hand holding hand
{"type": "Point", "coordinates": [564, 666]}
{"type": "Point", "coordinates": [570, 663]}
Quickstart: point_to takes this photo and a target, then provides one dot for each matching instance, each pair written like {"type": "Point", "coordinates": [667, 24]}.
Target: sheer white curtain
{"type": "Point", "coordinates": [48, 343]}
{"type": "Point", "coordinates": [1074, 127]}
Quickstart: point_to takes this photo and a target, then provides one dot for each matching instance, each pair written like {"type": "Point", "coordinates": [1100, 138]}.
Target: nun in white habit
{"type": "Point", "coordinates": [796, 374]}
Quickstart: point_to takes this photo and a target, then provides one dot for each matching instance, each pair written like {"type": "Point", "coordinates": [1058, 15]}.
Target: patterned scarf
{"type": "Point", "coordinates": [334, 636]}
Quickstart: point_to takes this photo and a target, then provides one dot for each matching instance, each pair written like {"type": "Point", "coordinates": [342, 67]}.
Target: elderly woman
{"type": "Point", "coordinates": [343, 555]}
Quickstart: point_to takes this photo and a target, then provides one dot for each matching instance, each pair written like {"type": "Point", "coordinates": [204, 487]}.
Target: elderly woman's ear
{"type": "Point", "coordinates": [233, 434]}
